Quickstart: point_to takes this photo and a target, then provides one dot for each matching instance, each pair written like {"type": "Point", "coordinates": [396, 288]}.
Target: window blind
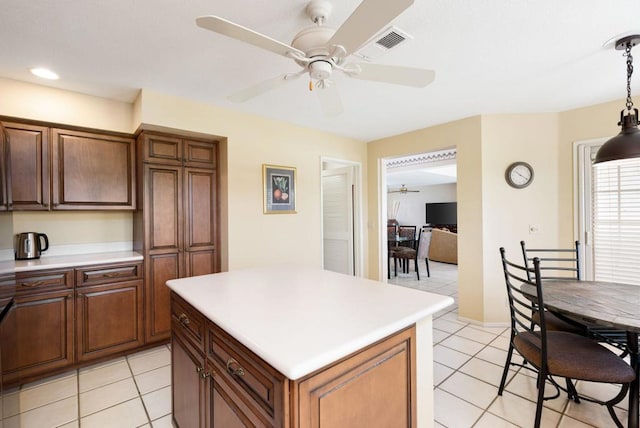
{"type": "Point", "coordinates": [616, 221]}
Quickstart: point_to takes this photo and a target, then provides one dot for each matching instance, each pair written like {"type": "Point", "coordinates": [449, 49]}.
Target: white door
{"type": "Point", "coordinates": [338, 219]}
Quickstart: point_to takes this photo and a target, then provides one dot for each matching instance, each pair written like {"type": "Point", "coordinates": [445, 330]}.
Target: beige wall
{"type": "Point", "coordinates": [508, 212]}
{"type": "Point", "coordinates": [255, 238]}
{"type": "Point", "coordinates": [465, 136]}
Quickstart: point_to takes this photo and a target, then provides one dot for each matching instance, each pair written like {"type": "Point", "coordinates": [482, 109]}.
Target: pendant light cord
{"type": "Point", "coordinates": [629, 73]}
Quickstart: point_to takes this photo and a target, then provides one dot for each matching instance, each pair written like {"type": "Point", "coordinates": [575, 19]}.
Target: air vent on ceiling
{"type": "Point", "coordinates": [380, 44]}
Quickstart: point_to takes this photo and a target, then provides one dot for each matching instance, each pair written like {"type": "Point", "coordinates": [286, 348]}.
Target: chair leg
{"type": "Point", "coordinates": [428, 273]}
{"type": "Point", "coordinates": [415, 262]}
{"type": "Point", "coordinates": [506, 369]}
{"type": "Point", "coordinates": [571, 390]}
{"type": "Point", "coordinates": [542, 377]}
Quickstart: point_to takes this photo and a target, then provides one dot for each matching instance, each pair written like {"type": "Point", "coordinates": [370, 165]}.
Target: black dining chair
{"type": "Point", "coordinates": [556, 264]}
{"type": "Point", "coordinates": [557, 354]}
{"type": "Point", "coordinates": [406, 254]}
{"type": "Point", "coordinates": [562, 264]}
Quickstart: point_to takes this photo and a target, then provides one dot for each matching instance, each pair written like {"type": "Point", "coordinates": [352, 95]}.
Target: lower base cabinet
{"type": "Point", "coordinates": [219, 383]}
{"type": "Point", "coordinates": [63, 318]}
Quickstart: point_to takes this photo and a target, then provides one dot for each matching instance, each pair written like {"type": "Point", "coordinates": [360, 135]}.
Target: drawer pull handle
{"type": "Point", "coordinates": [234, 368]}
{"type": "Point", "coordinates": [32, 284]}
{"type": "Point", "coordinates": [184, 319]}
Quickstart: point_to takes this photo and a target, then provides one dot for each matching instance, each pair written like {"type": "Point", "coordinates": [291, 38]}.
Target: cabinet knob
{"type": "Point", "coordinates": [184, 319]}
{"type": "Point", "coordinates": [234, 368]}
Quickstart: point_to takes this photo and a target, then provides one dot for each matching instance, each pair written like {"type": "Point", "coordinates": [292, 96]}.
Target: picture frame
{"type": "Point", "coordinates": [279, 189]}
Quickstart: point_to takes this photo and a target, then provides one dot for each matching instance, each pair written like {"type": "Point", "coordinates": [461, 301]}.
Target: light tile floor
{"type": "Point", "coordinates": [135, 391]}
{"type": "Point", "coordinates": [468, 363]}
{"type": "Point", "coordinates": [132, 391]}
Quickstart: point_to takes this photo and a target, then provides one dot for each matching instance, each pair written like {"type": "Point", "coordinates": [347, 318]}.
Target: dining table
{"type": "Point", "coordinates": [608, 304]}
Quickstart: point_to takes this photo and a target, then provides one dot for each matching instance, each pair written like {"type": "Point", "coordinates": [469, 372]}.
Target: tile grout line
{"type": "Point", "coordinates": [146, 412]}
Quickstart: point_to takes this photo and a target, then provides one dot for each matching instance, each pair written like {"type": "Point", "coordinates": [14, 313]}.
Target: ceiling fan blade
{"type": "Point", "coordinates": [262, 87]}
{"type": "Point", "coordinates": [407, 76]}
{"type": "Point", "coordinates": [238, 32]}
{"type": "Point", "coordinates": [329, 99]}
{"type": "Point", "coordinates": [366, 21]}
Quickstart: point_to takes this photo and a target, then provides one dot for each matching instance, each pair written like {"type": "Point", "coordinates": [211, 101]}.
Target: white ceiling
{"type": "Point", "coordinates": [490, 56]}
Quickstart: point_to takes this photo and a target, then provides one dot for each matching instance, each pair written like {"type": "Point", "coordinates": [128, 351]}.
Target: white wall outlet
{"type": "Point", "coordinates": [533, 229]}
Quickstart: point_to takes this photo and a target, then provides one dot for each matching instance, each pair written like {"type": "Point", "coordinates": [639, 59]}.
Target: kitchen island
{"type": "Point", "coordinates": [301, 347]}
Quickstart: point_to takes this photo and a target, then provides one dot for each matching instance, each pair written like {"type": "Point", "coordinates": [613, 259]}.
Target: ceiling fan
{"type": "Point", "coordinates": [320, 50]}
{"type": "Point", "coordinates": [403, 189]}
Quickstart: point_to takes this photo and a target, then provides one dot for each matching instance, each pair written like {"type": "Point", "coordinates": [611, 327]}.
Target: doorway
{"type": "Point", "coordinates": [341, 217]}
{"type": "Point", "coordinates": [407, 184]}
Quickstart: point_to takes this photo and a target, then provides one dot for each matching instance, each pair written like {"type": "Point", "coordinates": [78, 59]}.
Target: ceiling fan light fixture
{"type": "Point", "coordinates": [320, 70]}
{"type": "Point", "coordinates": [626, 144]}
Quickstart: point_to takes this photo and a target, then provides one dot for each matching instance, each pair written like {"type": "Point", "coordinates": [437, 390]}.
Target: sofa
{"type": "Point", "coordinates": [443, 246]}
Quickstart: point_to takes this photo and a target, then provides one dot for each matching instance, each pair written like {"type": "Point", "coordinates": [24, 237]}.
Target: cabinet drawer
{"type": "Point", "coordinates": [50, 280]}
{"type": "Point", "coordinates": [187, 322]}
{"type": "Point", "coordinates": [104, 274]}
{"type": "Point", "coordinates": [160, 149]}
{"type": "Point", "coordinates": [246, 371]}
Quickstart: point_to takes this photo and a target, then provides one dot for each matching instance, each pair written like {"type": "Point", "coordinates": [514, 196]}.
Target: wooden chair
{"type": "Point", "coordinates": [555, 353]}
{"type": "Point", "coordinates": [392, 231]}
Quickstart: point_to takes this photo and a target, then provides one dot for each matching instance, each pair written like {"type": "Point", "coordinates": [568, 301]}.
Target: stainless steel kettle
{"type": "Point", "coordinates": [29, 245]}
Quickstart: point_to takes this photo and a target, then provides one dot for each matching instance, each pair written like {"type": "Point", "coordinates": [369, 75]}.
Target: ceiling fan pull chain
{"type": "Point", "coordinates": [310, 85]}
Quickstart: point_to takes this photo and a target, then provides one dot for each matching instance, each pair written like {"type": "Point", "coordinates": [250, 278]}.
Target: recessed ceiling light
{"type": "Point", "coordinates": [45, 73]}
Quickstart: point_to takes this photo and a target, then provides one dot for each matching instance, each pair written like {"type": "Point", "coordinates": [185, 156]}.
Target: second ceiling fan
{"type": "Point", "coordinates": [320, 50]}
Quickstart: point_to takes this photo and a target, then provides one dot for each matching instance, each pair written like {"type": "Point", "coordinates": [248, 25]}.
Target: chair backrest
{"type": "Point", "coordinates": [525, 296]}
{"type": "Point", "coordinates": [408, 232]}
{"type": "Point", "coordinates": [391, 232]}
{"type": "Point", "coordinates": [423, 243]}
{"type": "Point", "coordinates": [555, 263]}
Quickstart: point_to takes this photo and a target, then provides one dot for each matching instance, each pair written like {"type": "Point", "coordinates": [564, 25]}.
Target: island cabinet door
{"type": "Point", "coordinates": [188, 380]}
{"type": "Point", "coordinates": [374, 388]}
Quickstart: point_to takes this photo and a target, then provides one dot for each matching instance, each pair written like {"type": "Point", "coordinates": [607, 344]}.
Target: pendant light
{"type": "Point", "coordinates": [626, 144]}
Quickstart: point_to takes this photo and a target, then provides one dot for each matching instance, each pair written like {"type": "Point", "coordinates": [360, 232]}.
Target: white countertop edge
{"type": "Point", "coordinates": [331, 356]}
{"type": "Point", "coordinates": [69, 261]}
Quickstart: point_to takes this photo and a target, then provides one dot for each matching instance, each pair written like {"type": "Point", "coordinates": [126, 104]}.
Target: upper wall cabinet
{"type": "Point", "coordinates": [27, 169]}
{"type": "Point", "coordinates": [170, 150]}
{"type": "Point", "coordinates": [92, 171]}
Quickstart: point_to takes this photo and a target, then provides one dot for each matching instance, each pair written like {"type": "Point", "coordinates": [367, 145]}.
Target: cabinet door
{"type": "Point", "coordinates": [373, 388]}
{"type": "Point", "coordinates": [161, 149]}
{"type": "Point", "coordinates": [200, 154]}
{"type": "Point", "coordinates": [28, 175]}
{"type": "Point", "coordinates": [92, 171]}
{"type": "Point", "coordinates": [4, 169]}
{"type": "Point", "coordinates": [163, 236]}
{"type": "Point", "coordinates": [108, 319]}
{"type": "Point", "coordinates": [200, 243]}
{"type": "Point", "coordinates": [188, 384]}
{"type": "Point", "coordinates": [37, 335]}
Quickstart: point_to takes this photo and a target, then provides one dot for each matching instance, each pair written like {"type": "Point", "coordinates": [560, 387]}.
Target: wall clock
{"type": "Point", "coordinates": [519, 175]}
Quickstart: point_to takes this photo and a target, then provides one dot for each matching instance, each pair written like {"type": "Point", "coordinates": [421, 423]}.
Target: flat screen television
{"type": "Point", "coordinates": [442, 213]}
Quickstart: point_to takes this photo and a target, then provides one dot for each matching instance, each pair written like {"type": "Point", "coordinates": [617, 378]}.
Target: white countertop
{"type": "Point", "coordinates": [55, 262]}
{"type": "Point", "coordinates": [300, 320]}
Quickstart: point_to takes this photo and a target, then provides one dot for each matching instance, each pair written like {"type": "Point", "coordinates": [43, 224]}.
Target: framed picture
{"type": "Point", "coordinates": [279, 189]}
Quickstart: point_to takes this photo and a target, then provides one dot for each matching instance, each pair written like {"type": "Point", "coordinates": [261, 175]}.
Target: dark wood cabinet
{"type": "Point", "coordinates": [4, 169]}
{"type": "Point", "coordinates": [27, 171]}
{"type": "Point", "coordinates": [176, 225]}
{"type": "Point", "coordinates": [37, 334]}
{"type": "Point", "coordinates": [109, 310]}
{"type": "Point", "coordinates": [373, 387]}
{"type": "Point", "coordinates": [92, 171]}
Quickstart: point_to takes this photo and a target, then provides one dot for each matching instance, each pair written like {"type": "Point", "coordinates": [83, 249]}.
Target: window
{"type": "Point", "coordinates": [610, 201]}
